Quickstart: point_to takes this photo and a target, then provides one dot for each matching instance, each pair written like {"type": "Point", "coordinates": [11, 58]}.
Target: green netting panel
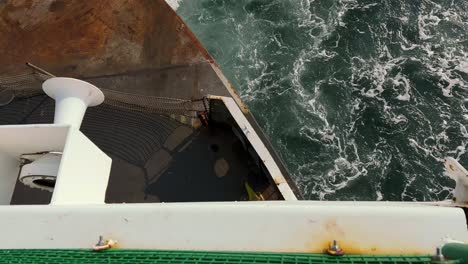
{"type": "Point", "coordinates": [185, 257]}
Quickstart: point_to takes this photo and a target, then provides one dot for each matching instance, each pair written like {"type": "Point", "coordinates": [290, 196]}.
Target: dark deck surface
{"type": "Point", "coordinates": [155, 157]}
{"type": "Point", "coordinates": [210, 166]}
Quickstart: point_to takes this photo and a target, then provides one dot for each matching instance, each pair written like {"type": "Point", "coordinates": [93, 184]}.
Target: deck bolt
{"type": "Point", "coordinates": [439, 258]}
{"type": "Point", "coordinates": [335, 249]}
{"type": "Point", "coordinates": [104, 244]}
{"type": "Point", "coordinates": [101, 242]}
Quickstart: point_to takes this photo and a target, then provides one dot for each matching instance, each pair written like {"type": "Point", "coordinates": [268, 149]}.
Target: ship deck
{"type": "Point", "coordinates": [156, 158]}
{"type": "Point", "coordinates": [156, 77]}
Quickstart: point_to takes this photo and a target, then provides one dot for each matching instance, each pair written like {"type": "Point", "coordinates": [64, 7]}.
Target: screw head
{"type": "Point", "coordinates": [439, 257]}
{"type": "Point", "coordinates": [335, 249]}
{"type": "Point", "coordinates": [100, 242]}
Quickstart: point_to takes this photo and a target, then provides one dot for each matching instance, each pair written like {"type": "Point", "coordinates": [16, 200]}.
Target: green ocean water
{"type": "Point", "coordinates": [362, 99]}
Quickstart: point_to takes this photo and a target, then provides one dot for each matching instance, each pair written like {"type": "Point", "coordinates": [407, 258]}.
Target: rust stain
{"type": "Point", "coordinates": [320, 242]}
{"type": "Point", "coordinates": [117, 246]}
{"type": "Point", "coordinates": [77, 38]}
{"type": "Point", "coordinates": [190, 35]}
{"type": "Point", "coordinates": [353, 248]}
{"type": "Point", "coordinates": [244, 108]}
{"type": "Point", "coordinates": [100, 38]}
{"type": "Point", "coordinates": [47, 38]}
{"type": "Point", "coordinates": [278, 179]}
{"type": "Point", "coordinates": [319, 245]}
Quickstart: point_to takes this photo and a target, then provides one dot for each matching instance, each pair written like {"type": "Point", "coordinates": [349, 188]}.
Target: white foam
{"type": "Point", "coordinates": [415, 145]}
{"type": "Point", "coordinates": [399, 119]}
{"type": "Point", "coordinates": [463, 66]}
{"type": "Point", "coordinates": [401, 80]}
{"type": "Point", "coordinates": [379, 195]}
{"type": "Point", "coordinates": [336, 129]}
{"type": "Point", "coordinates": [174, 4]}
{"type": "Point", "coordinates": [368, 6]}
{"type": "Point", "coordinates": [424, 23]}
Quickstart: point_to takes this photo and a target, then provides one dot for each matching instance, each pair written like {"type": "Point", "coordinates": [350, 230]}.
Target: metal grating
{"type": "Point", "coordinates": [187, 257]}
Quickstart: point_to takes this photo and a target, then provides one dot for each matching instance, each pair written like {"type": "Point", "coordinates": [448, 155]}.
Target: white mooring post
{"type": "Point", "coordinates": [72, 97]}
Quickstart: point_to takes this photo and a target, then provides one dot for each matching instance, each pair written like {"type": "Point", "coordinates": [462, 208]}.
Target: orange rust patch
{"type": "Point", "coordinates": [116, 246]}
{"type": "Point", "coordinates": [319, 242]}
{"type": "Point", "coordinates": [354, 248]}
{"type": "Point", "coordinates": [77, 38]}
{"type": "Point", "coordinates": [278, 179]}
{"type": "Point", "coordinates": [47, 37]}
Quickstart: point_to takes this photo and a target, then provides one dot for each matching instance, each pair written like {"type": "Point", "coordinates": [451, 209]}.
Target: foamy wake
{"type": "Point", "coordinates": [363, 101]}
{"type": "Point", "coordinates": [381, 78]}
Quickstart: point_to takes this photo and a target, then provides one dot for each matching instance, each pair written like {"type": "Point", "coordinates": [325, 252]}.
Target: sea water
{"type": "Point", "coordinates": [362, 99]}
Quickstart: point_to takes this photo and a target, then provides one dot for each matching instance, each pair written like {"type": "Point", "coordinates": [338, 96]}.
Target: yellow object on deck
{"type": "Point", "coordinates": [253, 196]}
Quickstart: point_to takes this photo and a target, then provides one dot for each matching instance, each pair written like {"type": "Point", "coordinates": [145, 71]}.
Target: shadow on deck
{"type": "Point", "coordinates": [156, 158]}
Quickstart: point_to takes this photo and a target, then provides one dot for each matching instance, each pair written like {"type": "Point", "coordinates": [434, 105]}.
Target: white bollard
{"type": "Point", "coordinates": [72, 97]}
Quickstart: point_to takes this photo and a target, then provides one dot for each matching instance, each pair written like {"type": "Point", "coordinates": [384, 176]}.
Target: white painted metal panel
{"type": "Point", "coordinates": [369, 228]}
{"type": "Point", "coordinates": [83, 174]}
{"type": "Point", "coordinates": [84, 169]}
{"type": "Point", "coordinates": [9, 168]}
{"type": "Point", "coordinates": [21, 139]}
